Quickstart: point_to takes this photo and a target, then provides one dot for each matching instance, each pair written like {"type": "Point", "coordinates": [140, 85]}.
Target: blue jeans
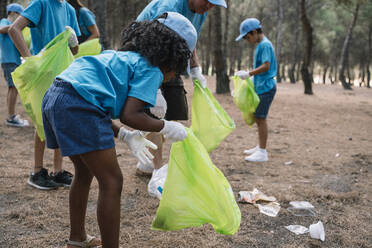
{"type": "Point", "coordinates": [265, 101]}
{"type": "Point", "coordinates": [8, 68]}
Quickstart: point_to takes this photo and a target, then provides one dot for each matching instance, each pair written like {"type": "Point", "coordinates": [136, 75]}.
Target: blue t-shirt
{"type": "Point", "coordinates": [264, 53]}
{"type": "Point", "coordinates": [107, 79]}
{"type": "Point", "coordinates": [8, 52]}
{"type": "Point", "coordinates": [48, 19]}
{"type": "Point", "coordinates": [157, 7]}
{"type": "Point", "coordinates": [86, 19]}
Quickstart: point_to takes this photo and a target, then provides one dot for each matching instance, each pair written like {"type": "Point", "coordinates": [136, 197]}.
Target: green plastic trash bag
{"type": "Point", "coordinates": [33, 78]}
{"type": "Point", "coordinates": [195, 192]}
{"type": "Point", "coordinates": [245, 98]}
{"type": "Point", "coordinates": [27, 36]}
{"type": "Point", "coordinates": [210, 122]}
{"type": "Point", "coordinates": [90, 47]}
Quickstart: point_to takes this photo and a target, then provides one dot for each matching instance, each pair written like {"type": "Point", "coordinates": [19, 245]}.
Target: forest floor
{"type": "Point", "coordinates": [327, 136]}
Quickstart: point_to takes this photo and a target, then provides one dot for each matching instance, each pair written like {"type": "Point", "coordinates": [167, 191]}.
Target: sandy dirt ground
{"type": "Point", "coordinates": [327, 136]}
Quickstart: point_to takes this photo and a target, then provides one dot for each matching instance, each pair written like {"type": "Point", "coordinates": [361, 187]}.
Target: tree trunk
{"type": "Point", "coordinates": [210, 45]}
{"type": "Point", "coordinates": [291, 72]}
{"type": "Point", "coordinates": [308, 30]}
{"type": "Point", "coordinates": [99, 8]}
{"type": "Point", "coordinates": [282, 75]}
{"type": "Point", "coordinates": [345, 48]}
{"type": "Point", "coordinates": [278, 40]}
{"type": "Point", "coordinates": [369, 57]}
{"type": "Point", "coordinates": [3, 4]}
{"type": "Point", "coordinates": [325, 74]}
{"type": "Point", "coordinates": [330, 75]}
{"type": "Point", "coordinates": [222, 79]}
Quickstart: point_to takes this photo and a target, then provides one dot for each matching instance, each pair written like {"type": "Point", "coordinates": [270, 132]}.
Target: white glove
{"type": "Point", "coordinates": [160, 107]}
{"type": "Point", "coordinates": [173, 131]}
{"type": "Point", "coordinates": [73, 40]}
{"type": "Point", "coordinates": [242, 74]}
{"type": "Point", "coordinates": [137, 144]}
{"type": "Point", "coordinates": [197, 75]}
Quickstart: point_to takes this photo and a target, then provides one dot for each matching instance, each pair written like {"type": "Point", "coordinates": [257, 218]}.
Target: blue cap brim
{"type": "Point", "coordinates": [240, 37]}
{"type": "Point", "coordinates": [218, 2]}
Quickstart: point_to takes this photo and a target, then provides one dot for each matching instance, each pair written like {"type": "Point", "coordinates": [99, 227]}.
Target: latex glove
{"type": "Point", "coordinates": [73, 40]}
{"type": "Point", "coordinates": [160, 107]}
{"type": "Point", "coordinates": [173, 131]}
{"type": "Point", "coordinates": [242, 74]}
{"type": "Point", "coordinates": [197, 75]}
{"type": "Point", "coordinates": [137, 144]}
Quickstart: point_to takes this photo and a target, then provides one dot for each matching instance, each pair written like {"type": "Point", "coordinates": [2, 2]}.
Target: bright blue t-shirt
{"type": "Point", "coordinates": [8, 52]}
{"type": "Point", "coordinates": [264, 53]}
{"type": "Point", "coordinates": [48, 19]}
{"type": "Point", "coordinates": [107, 79]}
{"type": "Point", "coordinates": [86, 19]}
{"type": "Point", "coordinates": [157, 7]}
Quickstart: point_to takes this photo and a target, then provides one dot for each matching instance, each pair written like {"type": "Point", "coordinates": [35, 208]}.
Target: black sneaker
{"type": "Point", "coordinates": [41, 180]}
{"type": "Point", "coordinates": [62, 178]}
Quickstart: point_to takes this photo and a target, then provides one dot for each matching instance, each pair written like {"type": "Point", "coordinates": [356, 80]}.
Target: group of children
{"type": "Point", "coordinates": [78, 108]}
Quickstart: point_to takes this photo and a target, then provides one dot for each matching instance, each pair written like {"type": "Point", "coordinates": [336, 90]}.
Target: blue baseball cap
{"type": "Point", "coordinates": [182, 26]}
{"type": "Point", "coordinates": [218, 2]}
{"type": "Point", "coordinates": [247, 26]}
{"type": "Point", "coordinates": [14, 7]}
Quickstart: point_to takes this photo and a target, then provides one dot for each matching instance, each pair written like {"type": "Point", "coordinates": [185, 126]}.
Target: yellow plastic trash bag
{"type": "Point", "coordinates": [33, 78]}
{"type": "Point", "coordinates": [27, 36]}
{"type": "Point", "coordinates": [245, 98]}
{"type": "Point", "coordinates": [90, 47]}
{"type": "Point", "coordinates": [210, 122]}
{"type": "Point", "coordinates": [195, 192]}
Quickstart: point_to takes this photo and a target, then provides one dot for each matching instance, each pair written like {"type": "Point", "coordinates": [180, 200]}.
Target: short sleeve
{"type": "Point", "coordinates": [145, 83]}
{"type": "Point", "coordinates": [73, 22]}
{"type": "Point", "coordinates": [87, 17]}
{"type": "Point", "coordinates": [33, 13]}
{"type": "Point", "coordinates": [265, 53]}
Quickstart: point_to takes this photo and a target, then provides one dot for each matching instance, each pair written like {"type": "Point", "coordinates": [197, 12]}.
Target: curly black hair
{"type": "Point", "coordinates": [162, 46]}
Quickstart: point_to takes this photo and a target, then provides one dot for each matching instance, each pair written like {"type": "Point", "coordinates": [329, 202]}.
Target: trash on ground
{"type": "Point", "coordinates": [301, 208]}
{"type": "Point", "coordinates": [337, 155]}
{"type": "Point", "coordinates": [288, 163]}
{"type": "Point", "coordinates": [297, 229]}
{"type": "Point", "coordinates": [272, 209]}
{"type": "Point", "coordinates": [317, 231]}
{"type": "Point", "coordinates": [254, 196]}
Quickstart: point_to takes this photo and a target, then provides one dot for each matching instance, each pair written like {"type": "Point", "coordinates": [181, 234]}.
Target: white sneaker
{"type": "Point", "coordinates": [156, 184]}
{"type": "Point", "coordinates": [258, 156]}
{"type": "Point", "coordinates": [16, 121]}
{"type": "Point", "coordinates": [251, 151]}
{"type": "Point", "coordinates": [145, 168]}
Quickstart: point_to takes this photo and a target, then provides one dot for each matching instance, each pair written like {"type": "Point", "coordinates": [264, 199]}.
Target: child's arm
{"type": "Point", "coordinates": [15, 33]}
{"type": "Point", "coordinates": [133, 115]}
{"type": "Point", "coordinates": [4, 29]}
{"type": "Point", "coordinates": [261, 69]}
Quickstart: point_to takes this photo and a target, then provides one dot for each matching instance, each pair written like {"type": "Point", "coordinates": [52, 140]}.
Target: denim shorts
{"type": "Point", "coordinates": [265, 101]}
{"type": "Point", "coordinates": [8, 68]}
{"type": "Point", "coordinates": [73, 124]}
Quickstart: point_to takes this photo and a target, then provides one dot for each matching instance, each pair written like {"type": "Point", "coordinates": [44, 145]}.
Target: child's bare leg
{"type": "Point", "coordinates": [262, 132]}
{"type": "Point", "coordinates": [38, 153]}
{"type": "Point", "coordinates": [158, 140]}
{"type": "Point", "coordinates": [104, 166]}
{"type": "Point", "coordinates": [78, 198]}
{"type": "Point", "coordinates": [57, 162]}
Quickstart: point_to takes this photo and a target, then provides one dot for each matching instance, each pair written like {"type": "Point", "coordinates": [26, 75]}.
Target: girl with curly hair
{"type": "Point", "coordinates": [79, 106]}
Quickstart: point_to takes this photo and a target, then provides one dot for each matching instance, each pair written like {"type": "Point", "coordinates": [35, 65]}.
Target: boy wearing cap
{"type": "Point", "coordinates": [264, 72]}
{"type": "Point", "coordinates": [10, 59]}
{"type": "Point", "coordinates": [47, 19]}
{"type": "Point", "coordinates": [174, 106]}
